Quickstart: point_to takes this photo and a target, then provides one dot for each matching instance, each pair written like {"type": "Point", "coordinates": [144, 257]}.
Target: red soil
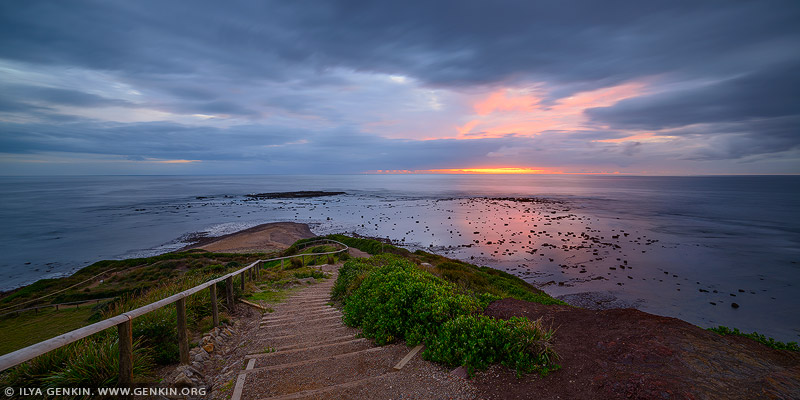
{"type": "Point", "coordinates": [626, 353]}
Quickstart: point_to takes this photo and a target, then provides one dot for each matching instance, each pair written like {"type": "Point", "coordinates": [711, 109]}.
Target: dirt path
{"type": "Point", "coordinates": [302, 350]}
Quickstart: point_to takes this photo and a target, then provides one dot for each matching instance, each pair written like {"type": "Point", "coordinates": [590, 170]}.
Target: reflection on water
{"type": "Point", "coordinates": [683, 247]}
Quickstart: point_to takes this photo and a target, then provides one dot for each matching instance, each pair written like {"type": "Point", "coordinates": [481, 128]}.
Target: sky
{"type": "Point", "coordinates": [418, 86]}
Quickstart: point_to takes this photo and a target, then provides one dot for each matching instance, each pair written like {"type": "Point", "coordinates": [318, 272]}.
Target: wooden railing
{"type": "Point", "coordinates": [36, 309]}
{"type": "Point", "coordinates": [123, 322]}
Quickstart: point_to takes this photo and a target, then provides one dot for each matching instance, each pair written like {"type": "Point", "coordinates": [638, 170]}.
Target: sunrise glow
{"type": "Point", "coordinates": [522, 112]}
{"type": "Point", "coordinates": [499, 171]}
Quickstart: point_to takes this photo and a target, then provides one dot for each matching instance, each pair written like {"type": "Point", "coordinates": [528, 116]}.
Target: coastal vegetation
{"type": "Point", "coordinates": [93, 361]}
{"type": "Point", "coordinates": [767, 341]}
{"type": "Point", "coordinates": [395, 296]}
{"type": "Point", "coordinates": [467, 276]}
{"type": "Point", "coordinates": [391, 299]}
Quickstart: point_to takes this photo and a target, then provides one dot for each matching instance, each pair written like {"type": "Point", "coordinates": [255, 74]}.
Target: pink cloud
{"type": "Point", "coordinates": [510, 111]}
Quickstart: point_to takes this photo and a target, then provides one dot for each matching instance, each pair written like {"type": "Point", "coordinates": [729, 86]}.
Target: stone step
{"type": "Point", "coordinates": [320, 373]}
{"type": "Point", "coordinates": [298, 310]}
{"type": "Point", "coordinates": [299, 324]}
{"type": "Point", "coordinates": [316, 342]}
{"type": "Point", "coordinates": [335, 391]}
{"type": "Point", "coordinates": [300, 314]}
{"type": "Point", "coordinates": [314, 352]}
{"type": "Point", "coordinates": [298, 304]}
{"type": "Point", "coordinates": [317, 297]}
{"type": "Point", "coordinates": [293, 337]}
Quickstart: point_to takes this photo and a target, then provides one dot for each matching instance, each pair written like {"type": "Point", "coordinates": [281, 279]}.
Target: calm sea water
{"type": "Point", "coordinates": [686, 247]}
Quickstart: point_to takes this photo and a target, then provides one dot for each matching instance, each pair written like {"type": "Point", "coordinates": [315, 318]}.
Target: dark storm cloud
{"type": "Point", "coordinates": [339, 151]}
{"type": "Point", "coordinates": [9, 105]}
{"type": "Point", "coordinates": [56, 96]}
{"type": "Point", "coordinates": [770, 93]}
{"type": "Point", "coordinates": [205, 57]}
{"type": "Point", "coordinates": [757, 113]}
{"type": "Point", "coordinates": [586, 43]}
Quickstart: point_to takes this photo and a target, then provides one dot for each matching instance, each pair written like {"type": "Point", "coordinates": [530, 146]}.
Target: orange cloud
{"type": "Point", "coordinates": [506, 100]}
{"type": "Point", "coordinates": [603, 97]}
{"type": "Point", "coordinates": [505, 112]}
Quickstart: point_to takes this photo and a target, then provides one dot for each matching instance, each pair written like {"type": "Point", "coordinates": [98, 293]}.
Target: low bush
{"type": "Point", "coordinates": [477, 341]}
{"type": "Point", "coordinates": [399, 301]}
{"type": "Point", "coordinates": [354, 271]}
{"type": "Point", "coordinates": [767, 341]}
{"type": "Point", "coordinates": [392, 299]}
{"type": "Point", "coordinates": [215, 268]}
{"type": "Point", "coordinates": [295, 263]}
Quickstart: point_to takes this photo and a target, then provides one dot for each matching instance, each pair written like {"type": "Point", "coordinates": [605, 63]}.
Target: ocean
{"type": "Point", "coordinates": [685, 247]}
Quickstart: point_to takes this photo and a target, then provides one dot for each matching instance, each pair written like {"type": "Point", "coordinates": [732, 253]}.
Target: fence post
{"type": "Point", "coordinates": [282, 263]}
{"type": "Point", "coordinates": [229, 292]}
{"type": "Point", "coordinates": [214, 308]}
{"type": "Point", "coordinates": [183, 341]}
{"type": "Point", "coordinates": [243, 274]}
{"type": "Point", "coordinates": [125, 331]}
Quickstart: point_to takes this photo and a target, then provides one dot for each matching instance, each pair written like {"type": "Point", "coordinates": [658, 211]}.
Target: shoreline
{"type": "Point", "coordinates": [258, 239]}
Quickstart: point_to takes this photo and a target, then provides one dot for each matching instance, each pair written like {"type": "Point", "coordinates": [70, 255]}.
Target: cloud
{"type": "Point", "coordinates": [769, 93]}
{"type": "Point", "coordinates": [348, 86]}
{"type": "Point", "coordinates": [752, 114]}
{"type": "Point", "coordinates": [587, 43]}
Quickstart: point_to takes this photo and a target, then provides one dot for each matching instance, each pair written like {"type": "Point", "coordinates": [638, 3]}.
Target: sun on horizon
{"type": "Point", "coordinates": [487, 171]}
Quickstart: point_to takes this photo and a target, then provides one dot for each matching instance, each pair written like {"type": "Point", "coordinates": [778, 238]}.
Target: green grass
{"type": "Point", "coordinates": [270, 296]}
{"type": "Point", "coordinates": [128, 277]}
{"type": "Point", "coordinates": [278, 283]}
{"type": "Point", "coordinates": [92, 361]}
{"type": "Point", "coordinates": [30, 328]}
{"type": "Point", "coordinates": [767, 341]}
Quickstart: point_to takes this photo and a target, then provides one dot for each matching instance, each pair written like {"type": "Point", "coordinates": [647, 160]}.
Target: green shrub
{"type": "Point", "coordinates": [392, 299]}
{"type": "Point", "coordinates": [295, 263]}
{"type": "Point", "coordinates": [767, 341]}
{"type": "Point", "coordinates": [215, 268]}
{"type": "Point", "coordinates": [159, 332]}
{"type": "Point", "coordinates": [354, 271]}
{"type": "Point", "coordinates": [484, 299]}
{"type": "Point", "coordinates": [399, 301]}
{"type": "Point", "coordinates": [477, 341]}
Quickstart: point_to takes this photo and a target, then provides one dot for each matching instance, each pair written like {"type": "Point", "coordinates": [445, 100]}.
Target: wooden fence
{"type": "Point", "coordinates": [124, 325]}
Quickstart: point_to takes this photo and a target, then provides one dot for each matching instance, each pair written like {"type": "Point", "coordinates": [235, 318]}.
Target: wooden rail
{"type": "Point", "coordinates": [123, 322]}
{"type": "Point", "coordinates": [77, 304]}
